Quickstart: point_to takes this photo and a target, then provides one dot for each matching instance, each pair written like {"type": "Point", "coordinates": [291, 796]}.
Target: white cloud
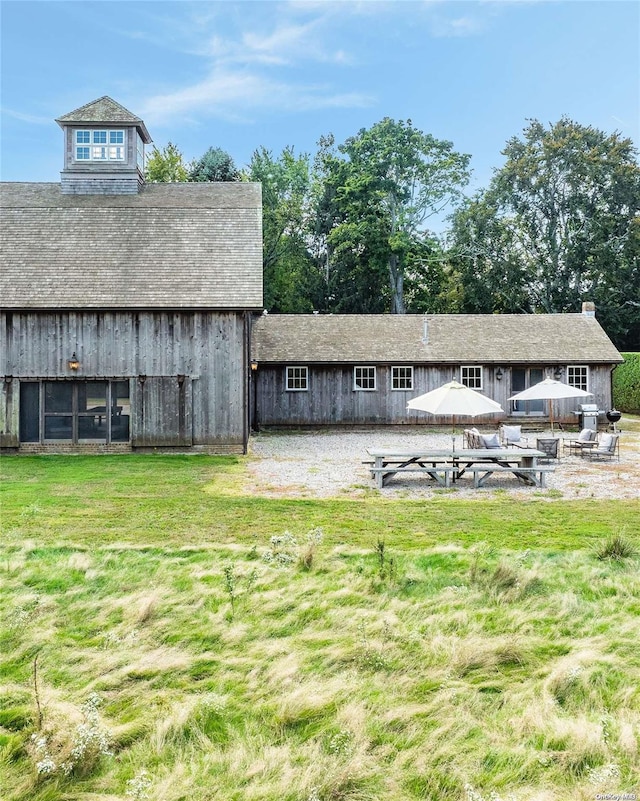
{"type": "Point", "coordinates": [284, 44]}
{"type": "Point", "coordinates": [457, 26]}
{"type": "Point", "coordinates": [32, 118]}
{"type": "Point", "coordinates": [235, 95]}
{"type": "Point", "coordinates": [267, 55]}
{"type": "Point", "coordinates": [258, 61]}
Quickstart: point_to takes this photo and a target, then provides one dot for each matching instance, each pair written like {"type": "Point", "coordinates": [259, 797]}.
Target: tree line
{"type": "Point", "coordinates": [348, 230]}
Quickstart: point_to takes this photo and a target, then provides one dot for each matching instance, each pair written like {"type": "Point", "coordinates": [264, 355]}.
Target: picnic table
{"type": "Point", "coordinates": [447, 466]}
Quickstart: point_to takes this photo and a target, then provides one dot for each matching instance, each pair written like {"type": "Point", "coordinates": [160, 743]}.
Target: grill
{"type": "Point", "coordinates": [613, 415]}
{"type": "Point", "coordinates": [588, 415]}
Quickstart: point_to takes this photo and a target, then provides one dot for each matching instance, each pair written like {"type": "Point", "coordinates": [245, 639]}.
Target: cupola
{"type": "Point", "coordinates": [103, 150]}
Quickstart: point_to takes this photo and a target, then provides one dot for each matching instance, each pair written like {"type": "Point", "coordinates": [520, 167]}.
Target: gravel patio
{"type": "Point", "coordinates": [329, 462]}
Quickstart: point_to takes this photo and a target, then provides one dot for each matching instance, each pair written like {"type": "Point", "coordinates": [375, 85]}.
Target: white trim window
{"type": "Point", "coordinates": [364, 378]}
{"type": "Point", "coordinates": [471, 376]}
{"type": "Point", "coordinates": [401, 378]}
{"type": "Point", "coordinates": [108, 145]}
{"type": "Point", "coordinates": [578, 376]}
{"type": "Point", "coordinates": [297, 379]}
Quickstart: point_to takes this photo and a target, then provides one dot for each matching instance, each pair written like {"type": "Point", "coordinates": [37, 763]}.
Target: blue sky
{"type": "Point", "coordinates": [241, 75]}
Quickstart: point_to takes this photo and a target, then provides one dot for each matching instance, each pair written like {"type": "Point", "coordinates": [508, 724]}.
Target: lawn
{"type": "Point", "coordinates": [165, 636]}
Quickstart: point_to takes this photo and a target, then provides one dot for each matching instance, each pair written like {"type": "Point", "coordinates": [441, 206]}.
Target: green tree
{"type": "Point", "coordinates": [485, 265]}
{"type": "Point", "coordinates": [166, 165]}
{"type": "Point", "coordinates": [290, 277]}
{"type": "Point", "coordinates": [569, 193]}
{"type": "Point", "coordinates": [617, 294]}
{"type": "Point", "coordinates": [214, 165]}
{"type": "Point", "coordinates": [557, 226]}
{"type": "Point", "coordinates": [379, 190]}
{"type": "Point", "coordinates": [431, 285]}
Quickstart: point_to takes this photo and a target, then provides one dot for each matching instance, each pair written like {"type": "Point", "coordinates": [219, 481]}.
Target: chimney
{"type": "Point", "coordinates": [425, 331]}
{"type": "Point", "coordinates": [589, 308]}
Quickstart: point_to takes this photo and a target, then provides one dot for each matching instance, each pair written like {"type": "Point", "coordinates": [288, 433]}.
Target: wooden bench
{"type": "Point", "coordinates": [481, 473]}
{"type": "Point", "coordinates": [444, 480]}
{"type": "Point", "coordinates": [519, 472]}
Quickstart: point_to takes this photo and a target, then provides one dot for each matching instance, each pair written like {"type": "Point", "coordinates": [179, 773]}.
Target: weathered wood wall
{"type": "Point", "coordinates": [194, 365]}
{"type": "Point", "coordinates": [331, 399]}
{"type": "Point", "coordinates": [100, 177]}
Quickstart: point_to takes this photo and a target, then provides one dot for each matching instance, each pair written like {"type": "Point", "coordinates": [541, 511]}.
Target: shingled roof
{"type": "Point", "coordinates": [192, 245]}
{"type": "Point", "coordinates": [104, 110]}
{"type": "Point", "coordinates": [450, 338]}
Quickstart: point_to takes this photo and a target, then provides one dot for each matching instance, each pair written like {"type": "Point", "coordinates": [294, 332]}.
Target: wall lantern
{"type": "Point", "coordinates": [557, 373]}
{"type": "Point", "coordinates": [499, 373]}
{"type": "Point", "coordinates": [8, 379]}
{"type": "Point", "coordinates": [73, 362]}
{"type": "Point", "coordinates": [254, 366]}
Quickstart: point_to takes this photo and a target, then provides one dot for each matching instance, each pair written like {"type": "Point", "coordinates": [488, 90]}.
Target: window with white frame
{"type": "Point", "coordinates": [578, 376]}
{"type": "Point", "coordinates": [471, 376]}
{"type": "Point", "coordinates": [364, 378]}
{"type": "Point", "coordinates": [297, 379]}
{"type": "Point", "coordinates": [100, 145]}
{"type": "Point", "coordinates": [402, 378]}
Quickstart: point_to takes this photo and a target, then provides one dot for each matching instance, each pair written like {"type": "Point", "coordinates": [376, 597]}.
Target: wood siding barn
{"type": "Point", "coordinates": [363, 369]}
{"type": "Point", "coordinates": [126, 314]}
{"type": "Point", "coordinates": [185, 371]}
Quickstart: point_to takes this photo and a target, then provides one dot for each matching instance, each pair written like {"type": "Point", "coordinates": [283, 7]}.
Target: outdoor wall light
{"type": "Point", "coordinates": [557, 373]}
{"type": "Point", "coordinates": [254, 366]}
{"type": "Point", "coordinates": [499, 373]}
{"type": "Point", "coordinates": [73, 362]}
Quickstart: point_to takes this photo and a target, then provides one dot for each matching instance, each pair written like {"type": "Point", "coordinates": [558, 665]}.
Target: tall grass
{"type": "Point", "coordinates": [516, 675]}
{"type": "Point", "coordinates": [411, 654]}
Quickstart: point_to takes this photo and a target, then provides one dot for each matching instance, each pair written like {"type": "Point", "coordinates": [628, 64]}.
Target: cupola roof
{"type": "Point", "coordinates": [102, 111]}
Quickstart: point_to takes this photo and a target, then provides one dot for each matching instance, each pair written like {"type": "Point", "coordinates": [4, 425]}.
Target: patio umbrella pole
{"type": "Point", "coordinates": [549, 389]}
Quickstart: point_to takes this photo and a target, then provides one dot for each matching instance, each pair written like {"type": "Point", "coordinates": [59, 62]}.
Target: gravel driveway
{"type": "Point", "coordinates": [329, 462]}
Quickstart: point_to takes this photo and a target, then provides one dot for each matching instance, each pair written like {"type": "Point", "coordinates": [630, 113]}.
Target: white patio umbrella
{"type": "Point", "coordinates": [550, 390]}
{"type": "Point", "coordinates": [455, 400]}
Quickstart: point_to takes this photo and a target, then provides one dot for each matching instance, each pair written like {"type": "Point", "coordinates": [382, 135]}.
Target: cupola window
{"type": "Point", "coordinates": [100, 145]}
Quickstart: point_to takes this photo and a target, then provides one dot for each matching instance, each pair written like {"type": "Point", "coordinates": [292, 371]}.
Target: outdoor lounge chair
{"type": "Point", "coordinates": [512, 435]}
{"type": "Point", "coordinates": [473, 439]}
{"type": "Point", "coordinates": [549, 447]}
{"type": "Point", "coordinates": [583, 443]}
{"type": "Point", "coordinates": [608, 447]}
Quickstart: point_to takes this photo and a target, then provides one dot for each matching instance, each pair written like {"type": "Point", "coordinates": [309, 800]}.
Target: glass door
{"type": "Point", "coordinates": [523, 378]}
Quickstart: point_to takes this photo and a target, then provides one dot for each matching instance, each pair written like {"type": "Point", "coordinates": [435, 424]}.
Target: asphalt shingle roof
{"type": "Point", "coordinates": [192, 245]}
{"type": "Point", "coordinates": [458, 338]}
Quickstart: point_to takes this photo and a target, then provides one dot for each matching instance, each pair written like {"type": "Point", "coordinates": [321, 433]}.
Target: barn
{"type": "Point", "coordinates": [313, 370]}
{"type": "Point", "coordinates": [126, 308]}
{"type": "Point", "coordinates": [132, 320]}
